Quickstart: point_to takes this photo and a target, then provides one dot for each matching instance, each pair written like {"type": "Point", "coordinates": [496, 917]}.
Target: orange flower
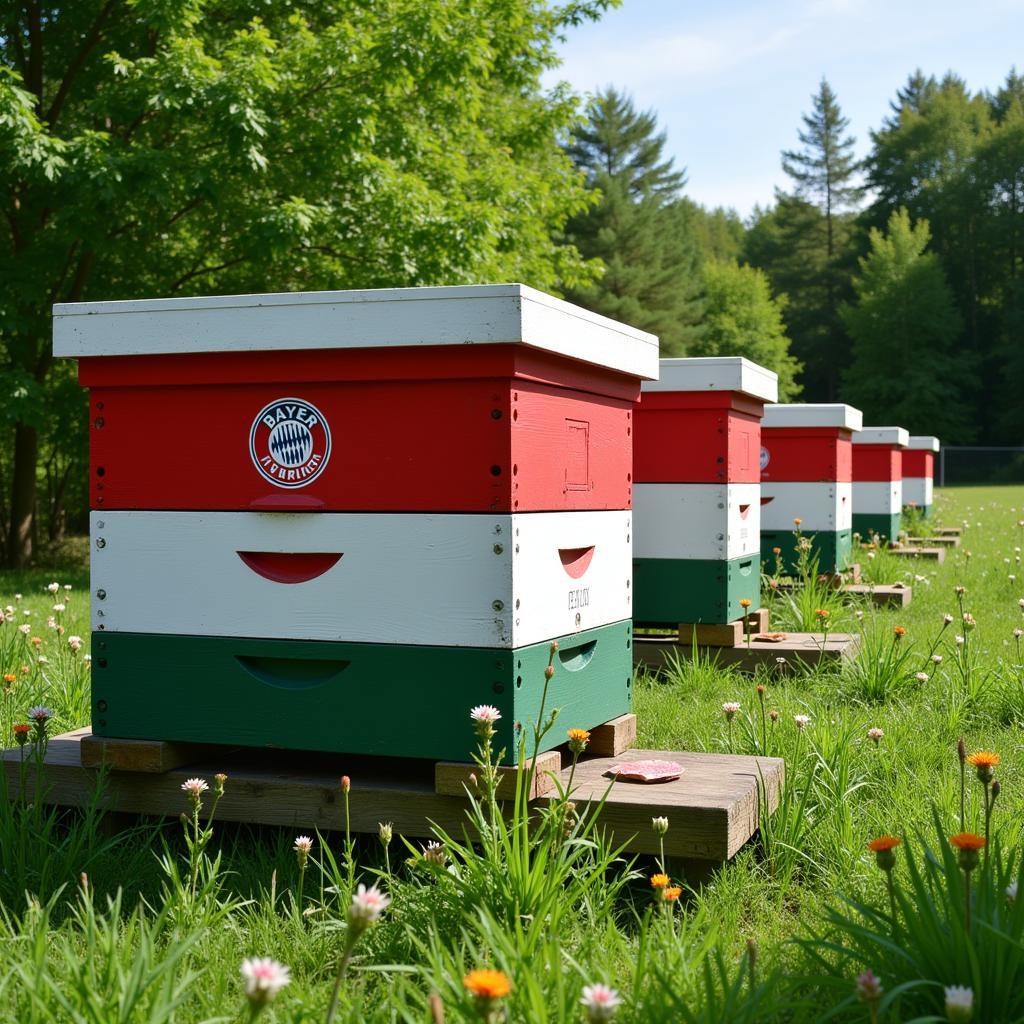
{"type": "Point", "coordinates": [10, 677]}
{"type": "Point", "coordinates": [671, 893]}
{"type": "Point", "coordinates": [822, 613]}
{"type": "Point", "coordinates": [967, 841]}
{"type": "Point", "coordinates": [487, 984]}
{"type": "Point", "coordinates": [883, 843]}
{"type": "Point", "coordinates": [776, 551]}
{"type": "Point", "coordinates": [899, 631]}
{"type": "Point", "coordinates": [744, 602]}
{"type": "Point", "coordinates": [982, 759]}
{"type": "Point", "coordinates": [22, 729]}
{"type": "Point", "coordinates": [659, 881]}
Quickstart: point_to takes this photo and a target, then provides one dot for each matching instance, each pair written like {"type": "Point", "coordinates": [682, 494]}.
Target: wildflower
{"type": "Point", "coordinates": [24, 629]}
{"type": "Point", "coordinates": [87, 658]}
{"type": "Point", "coordinates": [53, 588]}
{"type": "Point", "coordinates": [730, 707]}
{"type": "Point", "coordinates": [434, 853]}
{"type": "Point", "coordinates": [985, 762]}
{"type": "Point", "coordinates": [776, 551]}
{"type": "Point", "coordinates": [871, 555]}
{"type": "Point", "coordinates": [36, 642]}
{"type": "Point", "coordinates": [869, 987]}
{"type": "Point", "coordinates": [822, 613]}
{"type": "Point", "coordinates": [780, 661]}
{"type": "Point", "coordinates": [21, 731]}
{"type": "Point", "coordinates": [947, 619]}
{"type": "Point", "coordinates": [960, 591]}
{"type": "Point", "coordinates": [1011, 891]}
{"type": "Point", "coordinates": [801, 720]}
{"type": "Point", "coordinates": [264, 978]}
{"type": "Point", "coordinates": [875, 734]}
{"type": "Point", "coordinates": [882, 848]}
{"type": "Point", "coordinates": [195, 788]}
{"type": "Point", "coordinates": [660, 826]}
{"type": "Point", "coordinates": [797, 520]}
{"type": "Point", "coordinates": [17, 597]}
{"type": "Point", "coordinates": [303, 844]}
{"type": "Point", "coordinates": [921, 677]}
{"type": "Point", "coordinates": [600, 1002]}
{"type": "Point", "coordinates": [484, 716]}
{"type": "Point", "coordinates": [969, 622]}
{"type": "Point", "coordinates": [959, 640]}
{"type": "Point", "coordinates": [1018, 633]}
{"type": "Point", "coordinates": [58, 608]}
{"type": "Point", "coordinates": [899, 631]}
{"type": "Point", "coordinates": [10, 677]}
{"type": "Point", "coordinates": [578, 740]}
{"type": "Point", "coordinates": [366, 907]}
{"type": "Point", "coordinates": [659, 881]}
{"type": "Point", "coordinates": [218, 784]}
{"type": "Point", "coordinates": [40, 714]}
{"type": "Point", "coordinates": [671, 893]}
{"type": "Point", "coordinates": [385, 832]}
{"type": "Point", "coordinates": [487, 985]}
{"type": "Point", "coordinates": [936, 659]}
{"type": "Point", "coordinates": [744, 602]}
{"type": "Point", "coordinates": [346, 783]}
{"type": "Point", "coordinates": [43, 659]}
{"type": "Point", "coordinates": [967, 844]}
{"type": "Point", "coordinates": [959, 1004]}
{"type": "Point", "coordinates": [773, 715]}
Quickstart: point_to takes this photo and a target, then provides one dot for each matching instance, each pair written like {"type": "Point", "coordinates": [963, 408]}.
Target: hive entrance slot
{"type": "Point", "coordinates": [576, 561]}
{"type": "Point", "coordinates": [575, 658]}
{"type": "Point", "coordinates": [288, 566]}
{"type": "Point", "coordinates": [292, 673]}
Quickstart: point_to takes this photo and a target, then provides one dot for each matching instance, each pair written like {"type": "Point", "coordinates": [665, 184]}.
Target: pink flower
{"type": "Point", "coordinates": [730, 707]}
{"type": "Point", "coordinates": [869, 987]}
{"type": "Point", "coordinates": [264, 978]}
{"type": "Point", "coordinates": [367, 906]}
{"type": "Point", "coordinates": [801, 720]}
{"type": "Point", "coordinates": [485, 714]}
{"type": "Point", "coordinates": [875, 734]}
{"type": "Point", "coordinates": [600, 1002]}
{"type": "Point", "coordinates": [195, 788]}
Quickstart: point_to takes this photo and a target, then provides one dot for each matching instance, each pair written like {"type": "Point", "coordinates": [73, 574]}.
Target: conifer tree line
{"type": "Point", "coordinates": [895, 284]}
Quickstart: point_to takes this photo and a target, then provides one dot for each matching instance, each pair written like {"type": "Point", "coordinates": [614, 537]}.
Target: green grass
{"type": "Point", "coordinates": [158, 952]}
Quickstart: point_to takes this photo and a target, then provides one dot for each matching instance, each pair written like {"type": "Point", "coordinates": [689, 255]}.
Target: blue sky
{"type": "Point", "coordinates": [729, 80]}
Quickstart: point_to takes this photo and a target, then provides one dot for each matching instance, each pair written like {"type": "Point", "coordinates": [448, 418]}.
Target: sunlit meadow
{"type": "Point", "coordinates": [108, 919]}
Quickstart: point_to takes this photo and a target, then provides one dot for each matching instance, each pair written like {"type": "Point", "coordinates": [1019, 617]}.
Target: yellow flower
{"type": "Point", "coordinates": [487, 984]}
{"type": "Point", "coordinates": [659, 881]}
{"type": "Point", "coordinates": [899, 631]}
{"type": "Point", "coordinates": [671, 893]}
{"type": "Point", "coordinates": [744, 602]}
{"type": "Point", "coordinates": [578, 740]}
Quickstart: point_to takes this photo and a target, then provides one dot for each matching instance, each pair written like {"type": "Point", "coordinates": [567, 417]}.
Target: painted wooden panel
{"type": "Point", "coordinates": [379, 318]}
{"type": "Point", "coordinates": [917, 463]}
{"type": "Point", "coordinates": [877, 462]}
{"type": "Point", "coordinates": [884, 525]}
{"type": "Point", "coordinates": [833, 550]}
{"type": "Point", "coordinates": [926, 443]}
{"type": "Point", "coordinates": [873, 496]}
{"type": "Point", "coordinates": [704, 521]}
{"type": "Point", "coordinates": [825, 507]}
{"type": "Point", "coordinates": [809, 415]}
{"type": "Point", "coordinates": [387, 699]}
{"type": "Point", "coordinates": [882, 435]}
{"type": "Point", "coordinates": [450, 580]}
{"type": "Point", "coordinates": [487, 445]}
{"type": "Point", "coordinates": [669, 591]}
{"type": "Point", "coordinates": [716, 373]}
{"type": "Point", "coordinates": [678, 445]}
{"type": "Point", "coordinates": [919, 491]}
{"type": "Point", "coordinates": [806, 454]}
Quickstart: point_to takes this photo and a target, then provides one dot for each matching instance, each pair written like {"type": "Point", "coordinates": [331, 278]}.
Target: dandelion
{"type": "Point", "coordinates": [921, 677]}
{"type": "Point", "coordinates": [487, 987]}
{"type": "Point", "coordinates": [366, 907]}
{"type": "Point", "coordinates": [659, 880]}
{"type": "Point", "coordinates": [600, 1002]}
{"type": "Point", "coordinates": [264, 978]}
{"type": "Point", "coordinates": [801, 720]}
{"type": "Point", "coordinates": [875, 735]}
{"type": "Point", "coordinates": [578, 740]}
{"type": "Point", "coordinates": [745, 602]}
{"type": "Point", "coordinates": [959, 1004]}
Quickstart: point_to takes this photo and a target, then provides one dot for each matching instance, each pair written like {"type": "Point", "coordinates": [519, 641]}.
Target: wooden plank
{"type": "Point", "coordinates": [716, 373]}
{"type": "Point", "coordinates": [894, 595]}
{"type": "Point", "coordinates": [877, 497]}
{"type": "Point", "coordinates": [798, 649]}
{"type": "Point", "coordinates": [668, 591]}
{"type": "Point", "coordinates": [820, 507]}
{"type": "Point", "coordinates": [806, 455]}
{"type": "Point", "coordinates": [322, 696]}
{"type": "Point", "coordinates": [881, 437]}
{"type": "Point", "coordinates": [712, 808]}
{"type": "Point", "coordinates": [696, 521]}
{"type": "Point", "coordinates": [614, 737]}
{"type": "Point", "coordinates": [378, 318]}
{"type": "Point", "coordinates": [831, 416]}
{"type": "Point", "coordinates": [455, 779]}
{"type": "Point", "coordinates": [919, 491]}
{"type": "Point", "coordinates": [948, 531]}
{"type": "Point", "coordinates": [942, 540]}
{"type": "Point", "coordinates": [523, 445]}
{"type": "Point", "coordinates": [454, 580]}
{"type": "Point", "coordinates": [130, 755]}
{"type": "Point", "coordinates": [909, 551]}
{"type": "Point", "coordinates": [726, 634]}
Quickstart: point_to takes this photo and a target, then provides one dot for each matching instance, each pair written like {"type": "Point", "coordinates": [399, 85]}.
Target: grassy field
{"type": "Point", "coordinates": [168, 913]}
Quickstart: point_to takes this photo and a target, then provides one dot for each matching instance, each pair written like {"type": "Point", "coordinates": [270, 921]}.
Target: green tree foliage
{"type": "Point", "coordinates": [640, 229]}
{"type": "Point", "coordinates": [907, 367]}
{"type": "Point", "coordinates": [162, 148]}
{"type": "Point", "coordinates": [741, 318]}
{"type": "Point", "coordinates": [804, 242]}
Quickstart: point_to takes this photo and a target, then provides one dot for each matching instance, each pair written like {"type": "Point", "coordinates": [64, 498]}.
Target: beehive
{"type": "Point", "coordinates": [878, 481]}
{"type": "Point", "coordinates": [337, 521]}
{"type": "Point", "coordinates": [919, 473]}
{"type": "Point", "coordinates": [807, 474]}
{"type": "Point", "coordinates": [696, 500]}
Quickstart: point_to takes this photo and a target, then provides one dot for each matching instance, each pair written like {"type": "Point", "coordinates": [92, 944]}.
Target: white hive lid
{"type": "Point", "coordinates": [843, 417]}
{"type": "Point", "coordinates": [882, 435]}
{"type": "Point", "coordinates": [921, 443]}
{"type": "Point", "coordinates": [717, 373]}
{"type": "Point", "coordinates": [495, 314]}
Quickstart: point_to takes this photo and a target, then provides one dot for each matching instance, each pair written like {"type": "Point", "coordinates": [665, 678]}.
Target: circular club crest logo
{"type": "Point", "coordinates": [765, 459]}
{"type": "Point", "coordinates": [290, 442]}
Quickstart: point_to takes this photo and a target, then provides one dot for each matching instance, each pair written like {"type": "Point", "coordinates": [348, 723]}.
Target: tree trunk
{"type": "Point", "coordinates": [23, 494]}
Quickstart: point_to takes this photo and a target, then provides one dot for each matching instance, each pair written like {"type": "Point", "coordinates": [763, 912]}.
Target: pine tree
{"type": "Point", "coordinates": [907, 365]}
{"type": "Point", "coordinates": [640, 229]}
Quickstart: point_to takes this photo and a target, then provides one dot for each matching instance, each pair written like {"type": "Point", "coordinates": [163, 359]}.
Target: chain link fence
{"type": "Point", "coordinates": [972, 464]}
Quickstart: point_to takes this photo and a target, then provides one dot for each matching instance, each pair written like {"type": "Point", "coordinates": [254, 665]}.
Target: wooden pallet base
{"type": "Point", "coordinates": [884, 595]}
{"type": "Point", "coordinates": [948, 540]}
{"type": "Point", "coordinates": [948, 531]}
{"type": "Point", "coordinates": [723, 634]}
{"type": "Point", "coordinates": [798, 649]}
{"type": "Point", "coordinates": [910, 551]}
{"type": "Point", "coordinates": [712, 808]}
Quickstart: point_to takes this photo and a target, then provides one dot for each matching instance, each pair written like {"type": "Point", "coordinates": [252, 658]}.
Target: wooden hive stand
{"type": "Point", "coordinates": [934, 554]}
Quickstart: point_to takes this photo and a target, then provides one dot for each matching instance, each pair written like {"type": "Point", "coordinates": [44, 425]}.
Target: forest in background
{"type": "Point", "coordinates": [221, 146]}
